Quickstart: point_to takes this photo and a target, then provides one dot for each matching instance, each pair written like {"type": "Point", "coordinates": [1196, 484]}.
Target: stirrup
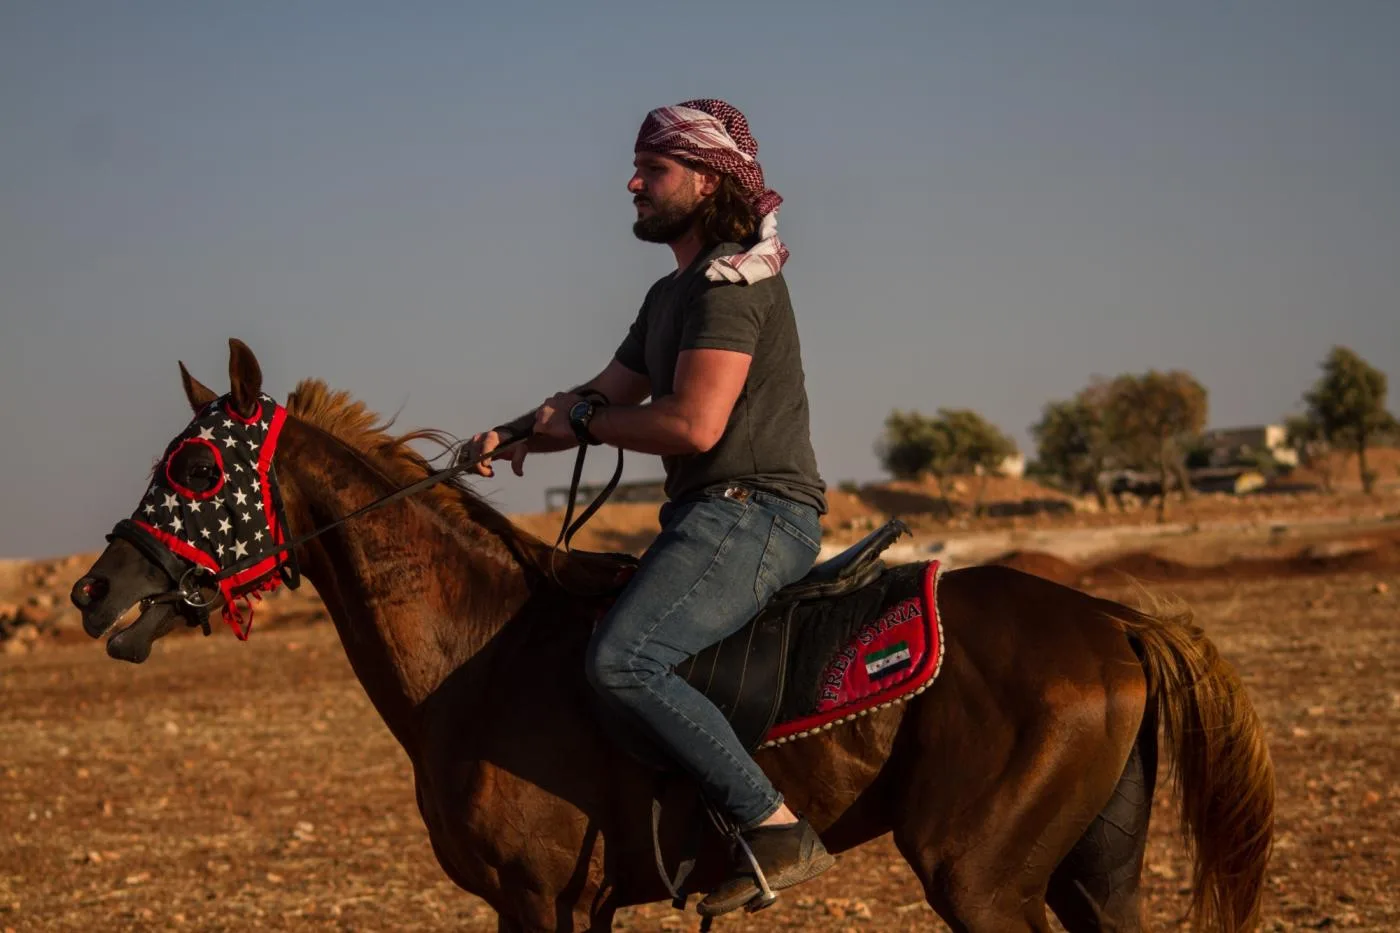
{"type": "Point", "coordinates": [766, 895]}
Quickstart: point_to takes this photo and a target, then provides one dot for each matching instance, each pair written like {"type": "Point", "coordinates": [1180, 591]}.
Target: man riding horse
{"type": "Point", "coordinates": [715, 348]}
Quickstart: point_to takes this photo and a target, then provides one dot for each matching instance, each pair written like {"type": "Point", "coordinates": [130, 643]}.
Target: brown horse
{"type": "Point", "coordinates": [1022, 778]}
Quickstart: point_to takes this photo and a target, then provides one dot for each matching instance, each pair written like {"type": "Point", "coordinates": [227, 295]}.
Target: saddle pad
{"type": "Point", "coordinates": [881, 645]}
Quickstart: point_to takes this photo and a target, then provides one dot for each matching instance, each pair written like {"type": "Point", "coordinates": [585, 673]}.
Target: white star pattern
{"type": "Point", "coordinates": [228, 528]}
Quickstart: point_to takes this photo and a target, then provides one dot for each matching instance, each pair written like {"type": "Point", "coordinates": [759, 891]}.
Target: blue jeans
{"type": "Point", "coordinates": [716, 563]}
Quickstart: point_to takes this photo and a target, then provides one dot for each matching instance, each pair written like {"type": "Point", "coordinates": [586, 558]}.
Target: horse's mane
{"type": "Point", "coordinates": [349, 421]}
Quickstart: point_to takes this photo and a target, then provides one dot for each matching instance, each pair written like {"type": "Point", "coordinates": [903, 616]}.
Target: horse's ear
{"type": "Point", "coordinates": [197, 392]}
{"type": "Point", "coordinates": [244, 377]}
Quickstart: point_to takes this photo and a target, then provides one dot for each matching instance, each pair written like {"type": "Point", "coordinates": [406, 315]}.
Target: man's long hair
{"type": "Point", "coordinates": [727, 216]}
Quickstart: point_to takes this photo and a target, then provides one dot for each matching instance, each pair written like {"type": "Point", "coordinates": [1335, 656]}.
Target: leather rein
{"type": "Point", "coordinates": [187, 578]}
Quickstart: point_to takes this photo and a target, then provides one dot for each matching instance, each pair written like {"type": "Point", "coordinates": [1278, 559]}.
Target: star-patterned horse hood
{"type": "Point", "coordinates": [235, 515]}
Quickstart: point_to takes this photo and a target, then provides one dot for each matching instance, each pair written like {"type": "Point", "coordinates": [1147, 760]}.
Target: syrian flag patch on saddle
{"type": "Point", "coordinates": [877, 646]}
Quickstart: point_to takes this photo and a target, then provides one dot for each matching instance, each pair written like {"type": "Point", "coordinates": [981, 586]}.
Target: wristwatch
{"type": "Point", "coordinates": [580, 415]}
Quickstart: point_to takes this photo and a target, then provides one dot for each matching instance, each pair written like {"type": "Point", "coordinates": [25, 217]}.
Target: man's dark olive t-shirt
{"type": "Point", "coordinates": [767, 444]}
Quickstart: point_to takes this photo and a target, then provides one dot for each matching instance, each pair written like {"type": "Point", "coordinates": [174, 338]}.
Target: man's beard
{"type": "Point", "coordinates": [667, 223]}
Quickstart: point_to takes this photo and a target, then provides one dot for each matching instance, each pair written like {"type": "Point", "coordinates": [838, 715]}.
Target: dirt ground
{"type": "Point", "coordinates": [227, 786]}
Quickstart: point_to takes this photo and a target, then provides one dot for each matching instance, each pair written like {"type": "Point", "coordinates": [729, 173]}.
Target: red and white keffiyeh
{"type": "Point", "coordinates": [717, 135]}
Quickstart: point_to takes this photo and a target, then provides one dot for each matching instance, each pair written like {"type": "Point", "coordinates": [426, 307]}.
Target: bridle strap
{"type": "Point", "coordinates": [150, 548]}
{"type": "Point", "coordinates": [287, 566]}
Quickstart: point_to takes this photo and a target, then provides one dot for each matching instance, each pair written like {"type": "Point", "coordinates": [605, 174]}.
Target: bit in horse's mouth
{"type": "Point", "coordinates": [127, 620]}
{"type": "Point", "coordinates": [122, 620]}
{"type": "Point", "coordinates": [133, 641]}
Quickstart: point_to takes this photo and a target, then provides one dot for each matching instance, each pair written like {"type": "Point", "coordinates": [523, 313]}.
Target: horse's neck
{"type": "Point", "coordinates": [415, 596]}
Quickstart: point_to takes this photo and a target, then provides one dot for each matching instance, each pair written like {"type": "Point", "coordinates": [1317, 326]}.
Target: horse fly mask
{"type": "Point", "coordinates": [228, 532]}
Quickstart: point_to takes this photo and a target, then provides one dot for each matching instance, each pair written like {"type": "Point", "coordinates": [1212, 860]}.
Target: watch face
{"type": "Point", "coordinates": [580, 409]}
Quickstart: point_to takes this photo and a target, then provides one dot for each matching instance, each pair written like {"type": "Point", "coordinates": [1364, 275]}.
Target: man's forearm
{"type": "Point", "coordinates": [661, 427]}
{"type": "Point", "coordinates": [539, 444]}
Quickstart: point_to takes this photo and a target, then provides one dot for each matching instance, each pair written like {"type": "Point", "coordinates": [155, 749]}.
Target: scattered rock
{"type": "Point", "coordinates": [43, 600]}
{"type": "Point", "coordinates": [32, 616]}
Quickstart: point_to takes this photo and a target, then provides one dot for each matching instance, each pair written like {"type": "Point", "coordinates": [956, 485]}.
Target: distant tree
{"type": "Point", "coordinates": [956, 441]}
{"type": "Point", "coordinates": [1308, 440]}
{"type": "Point", "coordinates": [977, 447]}
{"type": "Point", "coordinates": [1151, 419]}
{"type": "Point", "coordinates": [1348, 405]}
{"type": "Point", "coordinates": [911, 444]}
{"type": "Point", "coordinates": [1072, 442]}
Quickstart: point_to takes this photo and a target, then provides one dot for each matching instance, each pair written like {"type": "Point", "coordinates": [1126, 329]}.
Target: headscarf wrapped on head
{"type": "Point", "coordinates": [716, 135]}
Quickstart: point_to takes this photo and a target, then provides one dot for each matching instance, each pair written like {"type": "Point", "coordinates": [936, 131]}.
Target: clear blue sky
{"type": "Point", "coordinates": [424, 204]}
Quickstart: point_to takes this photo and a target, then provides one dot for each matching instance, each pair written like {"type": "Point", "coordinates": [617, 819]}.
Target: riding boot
{"type": "Point", "coordinates": [786, 855]}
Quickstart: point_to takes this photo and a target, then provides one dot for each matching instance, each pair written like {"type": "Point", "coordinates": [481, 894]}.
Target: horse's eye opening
{"type": "Point", "coordinates": [202, 476]}
{"type": "Point", "coordinates": [195, 468]}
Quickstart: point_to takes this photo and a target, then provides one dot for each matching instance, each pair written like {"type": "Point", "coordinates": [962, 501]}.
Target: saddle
{"type": "Point", "coordinates": [851, 635]}
{"type": "Point", "coordinates": [769, 671]}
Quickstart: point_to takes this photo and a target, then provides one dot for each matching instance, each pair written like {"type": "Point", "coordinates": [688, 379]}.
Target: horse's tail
{"type": "Point", "coordinates": [1219, 761]}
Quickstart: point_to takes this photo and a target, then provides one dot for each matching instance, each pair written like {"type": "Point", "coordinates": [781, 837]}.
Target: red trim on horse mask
{"type": "Point", "coordinates": [237, 517]}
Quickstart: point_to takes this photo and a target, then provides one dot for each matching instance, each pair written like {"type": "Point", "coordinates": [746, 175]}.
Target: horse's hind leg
{"type": "Point", "coordinates": [987, 868]}
{"type": "Point", "coordinates": [1095, 888]}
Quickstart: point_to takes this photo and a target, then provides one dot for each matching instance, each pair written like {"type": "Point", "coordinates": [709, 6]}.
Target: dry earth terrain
{"type": "Point", "coordinates": [227, 786]}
